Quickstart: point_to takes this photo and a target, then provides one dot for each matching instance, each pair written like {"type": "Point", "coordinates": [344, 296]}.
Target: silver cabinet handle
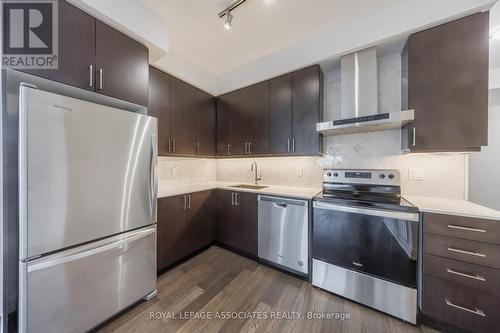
{"type": "Point", "coordinates": [288, 143]}
{"type": "Point", "coordinates": [185, 202]}
{"type": "Point", "coordinates": [189, 201]}
{"type": "Point", "coordinates": [100, 78]}
{"type": "Point", "coordinates": [197, 148]}
{"type": "Point", "coordinates": [232, 198]}
{"type": "Point", "coordinates": [249, 147]}
{"type": "Point", "coordinates": [452, 226]}
{"type": "Point", "coordinates": [475, 311]}
{"type": "Point", "coordinates": [246, 148]}
{"type": "Point", "coordinates": [472, 253]}
{"type": "Point", "coordinates": [467, 275]}
{"type": "Point", "coordinates": [229, 149]}
{"type": "Point", "coordinates": [414, 140]}
{"type": "Point", "coordinates": [293, 145]}
{"type": "Point", "coordinates": [91, 76]}
{"type": "Point", "coordinates": [169, 145]}
{"type": "Point", "coordinates": [173, 145]}
{"type": "Point", "coordinates": [236, 200]}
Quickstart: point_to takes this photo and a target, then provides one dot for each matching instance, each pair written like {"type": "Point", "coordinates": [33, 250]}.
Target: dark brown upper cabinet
{"type": "Point", "coordinates": [205, 124]}
{"type": "Point", "coordinates": [186, 116]}
{"type": "Point", "coordinates": [96, 57]}
{"type": "Point", "coordinates": [445, 80]}
{"type": "Point", "coordinates": [275, 117]}
{"type": "Point", "coordinates": [76, 49]}
{"type": "Point", "coordinates": [257, 119]}
{"type": "Point", "coordinates": [232, 128]}
{"type": "Point", "coordinates": [159, 107]}
{"type": "Point", "coordinates": [280, 117]}
{"type": "Point", "coordinates": [307, 106]}
{"type": "Point", "coordinates": [296, 107]}
{"type": "Point", "coordinates": [121, 65]}
{"type": "Point", "coordinates": [183, 113]}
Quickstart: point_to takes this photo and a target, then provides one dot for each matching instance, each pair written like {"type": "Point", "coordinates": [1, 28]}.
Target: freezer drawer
{"type": "Point", "coordinates": [284, 232]}
{"type": "Point", "coordinates": [75, 290]}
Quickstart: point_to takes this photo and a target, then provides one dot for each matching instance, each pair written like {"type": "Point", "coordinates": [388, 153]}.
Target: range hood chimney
{"type": "Point", "coordinates": [359, 84]}
{"type": "Point", "coordinates": [359, 98]}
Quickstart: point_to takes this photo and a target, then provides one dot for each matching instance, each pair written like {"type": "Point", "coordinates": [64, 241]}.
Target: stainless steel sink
{"type": "Point", "coordinates": [250, 187]}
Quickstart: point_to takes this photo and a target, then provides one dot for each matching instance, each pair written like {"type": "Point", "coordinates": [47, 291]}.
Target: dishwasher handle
{"type": "Point", "coordinates": [283, 202]}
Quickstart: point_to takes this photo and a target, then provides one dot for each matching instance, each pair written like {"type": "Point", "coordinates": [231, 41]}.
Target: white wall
{"type": "Point", "coordinates": [484, 167]}
{"type": "Point", "coordinates": [183, 170]}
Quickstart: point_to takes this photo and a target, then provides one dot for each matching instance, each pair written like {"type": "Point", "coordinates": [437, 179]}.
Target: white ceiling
{"type": "Point", "coordinates": [260, 27]}
{"type": "Point", "coordinates": [495, 43]}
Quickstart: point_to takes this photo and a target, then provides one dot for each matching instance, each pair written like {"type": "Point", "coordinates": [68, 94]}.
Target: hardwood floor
{"type": "Point", "coordinates": [219, 283]}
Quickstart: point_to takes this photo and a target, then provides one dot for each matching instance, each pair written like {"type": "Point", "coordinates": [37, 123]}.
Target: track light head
{"type": "Point", "coordinates": [229, 19]}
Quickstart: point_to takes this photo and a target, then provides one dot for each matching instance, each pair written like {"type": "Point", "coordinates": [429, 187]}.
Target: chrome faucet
{"type": "Point", "coordinates": [257, 178]}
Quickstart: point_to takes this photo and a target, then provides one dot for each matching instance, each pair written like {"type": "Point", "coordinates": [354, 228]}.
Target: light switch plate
{"type": "Point", "coordinates": [416, 174]}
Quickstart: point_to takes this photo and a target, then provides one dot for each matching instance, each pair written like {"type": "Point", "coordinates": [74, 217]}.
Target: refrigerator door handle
{"type": "Point", "coordinates": [99, 247]}
{"type": "Point", "coordinates": [153, 179]}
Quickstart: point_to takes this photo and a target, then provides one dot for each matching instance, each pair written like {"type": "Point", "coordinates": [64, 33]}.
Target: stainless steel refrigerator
{"type": "Point", "coordinates": [87, 211]}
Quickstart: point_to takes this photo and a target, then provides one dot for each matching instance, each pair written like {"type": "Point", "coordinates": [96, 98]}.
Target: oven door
{"type": "Point", "coordinates": [380, 243]}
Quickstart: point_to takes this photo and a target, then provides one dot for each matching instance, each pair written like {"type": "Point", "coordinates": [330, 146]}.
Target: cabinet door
{"type": "Point", "coordinates": [448, 85]}
{"type": "Point", "coordinates": [280, 114]}
{"type": "Point", "coordinates": [183, 116]}
{"type": "Point", "coordinates": [159, 106]}
{"type": "Point", "coordinates": [258, 118]}
{"type": "Point", "coordinates": [224, 103]}
{"type": "Point", "coordinates": [124, 65]}
{"type": "Point", "coordinates": [306, 101]}
{"type": "Point", "coordinates": [239, 124]}
{"type": "Point", "coordinates": [225, 229]}
{"type": "Point", "coordinates": [76, 49]}
{"type": "Point", "coordinates": [198, 231]}
{"type": "Point", "coordinates": [205, 123]}
{"type": "Point", "coordinates": [246, 222]}
{"type": "Point", "coordinates": [171, 221]}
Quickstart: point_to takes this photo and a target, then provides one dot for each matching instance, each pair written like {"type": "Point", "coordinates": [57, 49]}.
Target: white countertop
{"type": "Point", "coordinates": [452, 207]}
{"type": "Point", "coordinates": [166, 189]}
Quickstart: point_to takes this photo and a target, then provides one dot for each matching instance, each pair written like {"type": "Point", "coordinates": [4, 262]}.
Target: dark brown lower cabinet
{"type": "Point", "coordinates": [467, 308]}
{"type": "Point", "coordinates": [184, 226]}
{"type": "Point", "coordinates": [461, 272]}
{"type": "Point", "coordinates": [236, 220]}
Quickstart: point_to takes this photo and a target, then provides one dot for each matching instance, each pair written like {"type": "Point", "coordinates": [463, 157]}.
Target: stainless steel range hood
{"type": "Point", "coordinates": [359, 98]}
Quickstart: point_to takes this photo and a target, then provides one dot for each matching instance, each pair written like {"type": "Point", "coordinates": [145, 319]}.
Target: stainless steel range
{"type": "Point", "coordinates": [365, 240]}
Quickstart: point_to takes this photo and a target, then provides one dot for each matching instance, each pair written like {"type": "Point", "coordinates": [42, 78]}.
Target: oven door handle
{"type": "Point", "coordinates": [365, 211]}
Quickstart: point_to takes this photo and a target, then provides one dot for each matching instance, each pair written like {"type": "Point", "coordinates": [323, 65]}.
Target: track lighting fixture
{"type": "Point", "coordinates": [229, 19]}
{"type": "Point", "coordinates": [227, 13]}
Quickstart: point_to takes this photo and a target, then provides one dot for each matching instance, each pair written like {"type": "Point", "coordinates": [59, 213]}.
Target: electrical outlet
{"type": "Point", "coordinates": [300, 172]}
{"type": "Point", "coordinates": [416, 173]}
{"type": "Point", "coordinates": [173, 171]}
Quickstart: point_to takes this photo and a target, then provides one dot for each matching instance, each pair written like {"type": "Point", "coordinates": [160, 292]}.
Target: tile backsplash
{"type": "Point", "coordinates": [178, 170]}
{"type": "Point", "coordinates": [289, 171]}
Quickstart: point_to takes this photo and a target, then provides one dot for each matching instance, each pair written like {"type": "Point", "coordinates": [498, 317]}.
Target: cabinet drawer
{"type": "Point", "coordinates": [463, 250]}
{"type": "Point", "coordinates": [469, 275]}
{"type": "Point", "coordinates": [460, 306]}
{"type": "Point", "coordinates": [481, 230]}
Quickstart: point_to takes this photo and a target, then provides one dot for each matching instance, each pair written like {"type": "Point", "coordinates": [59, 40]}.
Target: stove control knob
{"type": "Point", "coordinates": [335, 174]}
{"type": "Point", "coordinates": [382, 176]}
{"type": "Point", "coordinates": [329, 174]}
{"type": "Point", "coordinates": [391, 176]}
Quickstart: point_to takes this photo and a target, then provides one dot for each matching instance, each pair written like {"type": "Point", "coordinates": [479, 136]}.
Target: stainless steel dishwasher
{"type": "Point", "coordinates": [284, 233]}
